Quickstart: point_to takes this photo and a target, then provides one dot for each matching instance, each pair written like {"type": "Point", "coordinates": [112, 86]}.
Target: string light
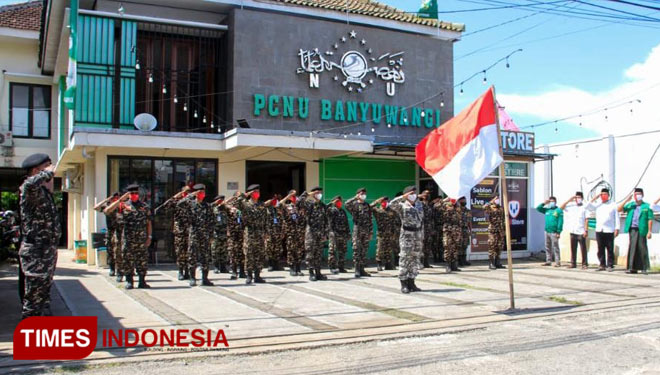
{"type": "Point", "coordinates": [345, 136]}
{"type": "Point", "coordinates": [195, 114]}
{"type": "Point", "coordinates": [423, 114]}
{"type": "Point", "coordinates": [164, 89]}
{"type": "Point", "coordinates": [175, 99]}
{"type": "Point", "coordinates": [373, 130]}
{"type": "Point", "coordinates": [212, 125]}
{"type": "Point", "coordinates": [204, 119]}
{"type": "Point", "coordinates": [580, 120]}
{"type": "Point", "coordinates": [151, 78]}
{"type": "Point", "coordinates": [121, 9]}
{"type": "Point", "coordinates": [185, 107]}
{"type": "Point", "coordinates": [137, 64]}
{"type": "Point", "coordinates": [507, 62]}
{"type": "Point", "coordinates": [485, 80]}
{"type": "Point", "coordinates": [556, 129]}
{"type": "Point", "coordinates": [606, 117]}
{"type": "Point", "coordinates": [359, 133]}
{"type": "Point", "coordinates": [389, 125]}
{"type": "Point", "coordinates": [461, 92]}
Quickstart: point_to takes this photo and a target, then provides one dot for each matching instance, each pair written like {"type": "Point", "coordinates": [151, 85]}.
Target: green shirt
{"type": "Point", "coordinates": [644, 216]}
{"type": "Point", "coordinates": [554, 218]}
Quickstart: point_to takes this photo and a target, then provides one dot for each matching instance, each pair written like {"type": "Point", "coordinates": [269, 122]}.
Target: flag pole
{"type": "Point", "coordinates": [505, 204]}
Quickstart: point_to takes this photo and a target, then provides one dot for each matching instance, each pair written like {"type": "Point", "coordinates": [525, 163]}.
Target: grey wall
{"type": "Point", "coordinates": [264, 58]}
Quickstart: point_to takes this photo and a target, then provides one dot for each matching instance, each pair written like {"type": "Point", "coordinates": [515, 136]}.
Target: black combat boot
{"type": "Point", "coordinates": [426, 262]}
{"type": "Point", "coordinates": [191, 275]}
{"type": "Point", "coordinates": [491, 264]}
{"type": "Point", "coordinates": [277, 266]}
{"type": "Point", "coordinates": [241, 271]}
{"type": "Point", "coordinates": [223, 268]}
{"type": "Point", "coordinates": [460, 261]}
{"type": "Point", "coordinates": [389, 266]}
{"type": "Point", "coordinates": [258, 278]}
{"type": "Point", "coordinates": [498, 263]}
{"type": "Point", "coordinates": [380, 266]}
{"type": "Point", "coordinates": [466, 262]}
{"type": "Point", "coordinates": [312, 277]}
{"type": "Point", "coordinates": [271, 266]}
{"type": "Point", "coordinates": [142, 284]}
{"type": "Point", "coordinates": [454, 266]}
{"type": "Point", "coordinates": [112, 270]}
{"type": "Point", "coordinates": [319, 275]}
{"type": "Point", "coordinates": [404, 286]}
{"type": "Point", "coordinates": [234, 273]}
{"type": "Point", "coordinates": [186, 274]}
{"type": "Point", "coordinates": [292, 270]}
{"type": "Point", "coordinates": [216, 267]}
{"type": "Point", "coordinates": [412, 287]}
{"type": "Point", "coordinates": [342, 269]}
{"type": "Point", "coordinates": [119, 276]}
{"type": "Point", "coordinates": [363, 272]}
{"type": "Point", "coordinates": [129, 281]}
{"type": "Point", "coordinates": [448, 267]}
{"type": "Point", "coordinates": [205, 278]}
{"type": "Point", "coordinates": [358, 274]}
{"type": "Point", "coordinates": [180, 274]}
{"type": "Point", "coordinates": [248, 278]}
{"type": "Point", "coordinates": [334, 271]}
{"type": "Point", "coordinates": [299, 271]}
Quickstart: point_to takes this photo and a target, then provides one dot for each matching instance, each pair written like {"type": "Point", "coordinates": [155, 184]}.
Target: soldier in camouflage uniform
{"type": "Point", "coordinates": [112, 238]}
{"type": "Point", "coordinates": [235, 228]}
{"type": "Point", "coordinates": [362, 229]}
{"type": "Point", "coordinates": [199, 241]}
{"type": "Point", "coordinates": [179, 204]}
{"type": "Point", "coordinates": [294, 232]}
{"type": "Point", "coordinates": [387, 222]}
{"type": "Point", "coordinates": [41, 231]}
{"type": "Point", "coordinates": [429, 220]}
{"type": "Point", "coordinates": [452, 234]}
{"type": "Point", "coordinates": [136, 237]}
{"type": "Point", "coordinates": [316, 231]}
{"type": "Point", "coordinates": [496, 232]}
{"type": "Point", "coordinates": [255, 216]}
{"type": "Point", "coordinates": [274, 234]}
{"type": "Point", "coordinates": [339, 234]}
{"type": "Point", "coordinates": [466, 232]}
{"type": "Point", "coordinates": [411, 240]}
{"type": "Point", "coordinates": [219, 238]}
{"type": "Point", "coordinates": [438, 249]}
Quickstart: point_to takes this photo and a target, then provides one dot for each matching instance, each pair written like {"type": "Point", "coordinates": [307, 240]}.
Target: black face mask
{"type": "Point", "coordinates": [463, 204]}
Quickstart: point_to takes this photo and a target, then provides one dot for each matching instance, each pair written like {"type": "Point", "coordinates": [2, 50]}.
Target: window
{"type": "Point", "coordinates": [29, 110]}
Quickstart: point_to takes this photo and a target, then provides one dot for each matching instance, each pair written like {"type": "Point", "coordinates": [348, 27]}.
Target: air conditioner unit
{"type": "Point", "coordinates": [6, 139]}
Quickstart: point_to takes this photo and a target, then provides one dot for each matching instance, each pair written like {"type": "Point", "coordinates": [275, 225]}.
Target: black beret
{"type": "Point", "coordinates": [253, 187]}
{"type": "Point", "coordinates": [316, 188]}
{"type": "Point", "coordinates": [198, 187]}
{"type": "Point", "coordinates": [115, 194]}
{"type": "Point", "coordinates": [639, 190]}
{"type": "Point", "coordinates": [579, 194]}
{"type": "Point", "coordinates": [386, 198]}
{"type": "Point", "coordinates": [398, 194]}
{"type": "Point", "coordinates": [133, 188]}
{"type": "Point", "coordinates": [409, 189]}
{"type": "Point", "coordinates": [361, 190]}
{"type": "Point", "coordinates": [605, 190]}
{"type": "Point", "coordinates": [35, 160]}
{"type": "Point", "coordinates": [336, 197]}
{"type": "Point", "coordinates": [219, 197]}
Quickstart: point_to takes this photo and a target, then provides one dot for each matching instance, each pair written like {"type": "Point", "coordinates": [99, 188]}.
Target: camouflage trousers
{"type": "Point", "coordinates": [452, 241]}
{"type": "Point", "coordinates": [181, 249]}
{"type": "Point", "coordinates": [199, 252]}
{"type": "Point", "coordinates": [361, 240]}
{"type": "Point", "coordinates": [295, 248]}
{"type": "Point", "coordinates": [313, 249]}
{"type": "Point", "coordinates": [495, 244]}
{"type": "Point", "coordinates": [38, 264]}
{"type": "Point", "coordinates": [253, 251]}
{"type": "Point", "coordinates": [134, 256]}
{"type": "Point", "coordinates": [337, 251]}
{"type": "Point", "coordinates": [114, 251]}
{"type": "Point", "coordinates": [235, 249]}
{"type": "Point", "coordinates": [428, 243]}
{"type": "Point", "coordinates": [411, 244]}
{"type": "Point", "coordinates": [438, 247]}
{"type": "Point", "coordinates": [219, 250]}
{"type": "Point", "coordinates": [274, 247]}
{"type": "Point", "coordinates": [465, 242]}
{"type": "Point", "coordinates": [387, 247]}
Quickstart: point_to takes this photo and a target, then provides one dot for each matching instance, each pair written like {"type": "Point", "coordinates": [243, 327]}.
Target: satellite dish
{"type": "Point", "coordinates": [145, 122]}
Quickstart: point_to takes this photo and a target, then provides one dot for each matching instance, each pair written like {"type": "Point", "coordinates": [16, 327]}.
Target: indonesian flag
{"type": "Point", "coordinates": [464, 150]}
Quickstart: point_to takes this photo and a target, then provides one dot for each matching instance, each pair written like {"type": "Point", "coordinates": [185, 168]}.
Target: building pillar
{"type": "Point", "coordinates": [87, 207]}
{"type": "Point", "coordinates": [611, 164]}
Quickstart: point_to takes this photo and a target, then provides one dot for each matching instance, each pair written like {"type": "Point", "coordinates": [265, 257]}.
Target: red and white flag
{"type": "Point", "coordinates": [464, 150]}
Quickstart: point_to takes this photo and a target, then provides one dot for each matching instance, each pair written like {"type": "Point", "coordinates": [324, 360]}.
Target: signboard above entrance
{"type": "Point", "coordinates": [517, 142]}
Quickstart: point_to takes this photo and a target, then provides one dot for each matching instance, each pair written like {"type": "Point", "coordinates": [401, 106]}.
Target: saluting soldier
{"type": "Point", "coordinates": [411, 240]}
{"type": "Point", "coordinates": [199, 241]}
{"type": "Point", "coordinates": [362, 229]}
{"type": "Point", "coordinates": [219, 240]}
{"type": "Point", "coordinates": [235, 229]}
{"type": "Point", "coordinates": [112, 238]}
{"type": "Point", "coordinates": [438, 248]}
{"type": "Point", "coordinates": [466, 232]}
{"type": "Point", "coordinates": [429, 220]}
{"type": "Point", "coordinates": [41, 231]}
{"type": "Point", "coordinates": [452, 233]}
{"type": "Point", "coordinates": [179, 206]}
{"type": "Point", "coordinates": [316, 231]}
{"type": "Point", "coordinates": [294, 232]}
{"type": "Point", "coordinates": [339, 233]}
{"type": "Point", "coordinates": [255, 217]}
{"type": "Point", "coordinates": [274, 234]}
{"type": "Point", "coordinates": [496, 232]}
{"type": "Point", "coordinates": [136, 235]}
{"type": "Point", "coordinates": [388, 224]}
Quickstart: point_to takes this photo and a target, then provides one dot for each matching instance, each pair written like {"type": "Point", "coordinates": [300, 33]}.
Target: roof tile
{"type": "Point", "coordinates": [23, 16]}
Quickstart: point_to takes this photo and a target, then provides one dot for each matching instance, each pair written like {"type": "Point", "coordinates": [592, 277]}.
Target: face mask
{"type": "Point", "coordinates": [200, 196]}
{"type": "Point", "coordinates": [363, 197]}
{"type": "Point", "coordinates": [185, 194]}
{"type": "Point", "coordinates": [552, 205]}
{"type": "Point", "coordinates": [497, 202]}
{"type": "Point", "coordinates": [318, 196]}
{"type": "Point", "coordinates": [578, 200]}
{"type": "Point", "coordinates": [338, 204]}
{"type": "Point", "coordinates": [135, 197]}
{"type": "Point", "coordinates": [293, 199]}
{"type": "Point", "coordinates": [452, 200]}
{"type": "Point", "coordinates": [463, 203]}
{"type": "Point", "coordinates": [639, 197]}
{"type": "Point", "coordinates": [412, 197]}
{"type": "Point", "coordinates": [384, 205]}
{"type": "Point", "coordinates": [274, 202]}
{"type": "Point", "coordinates": [256, 195]}
{"type": "Point", "coordinates": [220, 202]}
{"type": "Point", "coordinates": [604, 197]}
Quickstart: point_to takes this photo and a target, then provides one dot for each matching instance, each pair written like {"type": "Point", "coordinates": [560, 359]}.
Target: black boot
{"type": "Point", "coordinates": [186, 275]}
{"type": "Point", "coordinates": [205, 278]}
{"type": "Point", "coordinates": [412, 287]}
{"type": "Point", "coordinates": [380, 266]}
{"type": "Point", "coordinates": [454, 266]}
{"type": "Point", "coordinates": [389, 266]}
{"type": "Point", "coordinates": [491, 264]}
{"type": "Point", "coordinates": [129, 281]}
{"type": "Point", "coordinates": [142, 284]}
{"type": "Point", "coordinates": [426, 262]}
{"type": "Point", "coordinates": [466, 262]}
{"type": "Point", "coordinates": [363, 272]}
{"type": "Point", "coordinates": [404, 286]}
{"type": "Point", "coordinates": [241, 271]}
{"type": "Point", "coordinates": [258, 278]}
{"type": "Point", "coordinates": [299, 271]}
{"type": "Point", "coordinates": [292, 270]}
{"type": "Point", "coordinates": [277, 266]}
{"type": "Point", "coordinates": [460, 261]}
{"type": "Point", "coordinates": [498, 263]}
{"type": "Point", "coordinates": [216, 268]}
{"type": "Point", "coordinates": [112, 270]}
{"type": "Point", "coordinates": [234, 274]}
{"type": "Point", "coordinates": [271, 266]}
{"type": "Point", "coordinates": [312, 277]}
{"type": "Point", "coordinates": [342, 269]}
{"type": "Point", "coordinates": [334, 271]}
{"type": "Point", "coordinates": [119, 276]}
{"type": "Point", "coordinates": [223, 268]}
{"type": "Point", "coordinates": [248, 277]}
{"type": "Point", "coordinates": [319, 275]}
{"type": "Point", "coordinates": [191, 274]}
{"type": "Point", "coordinates": [180, 274]}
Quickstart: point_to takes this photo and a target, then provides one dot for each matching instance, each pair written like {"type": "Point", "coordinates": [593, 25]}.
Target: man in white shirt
{"type": "Point", "coordinates": [576, 219]}
{"type": "Point", "coordinates": [607, 227]}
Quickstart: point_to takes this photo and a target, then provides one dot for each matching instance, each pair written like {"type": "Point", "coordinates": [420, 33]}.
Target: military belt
{"type": "Point", "coordinates": [412, 229]}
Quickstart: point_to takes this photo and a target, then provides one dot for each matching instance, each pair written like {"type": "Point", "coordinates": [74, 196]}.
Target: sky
{"type": "Point", "coordinates": [596, 65]}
